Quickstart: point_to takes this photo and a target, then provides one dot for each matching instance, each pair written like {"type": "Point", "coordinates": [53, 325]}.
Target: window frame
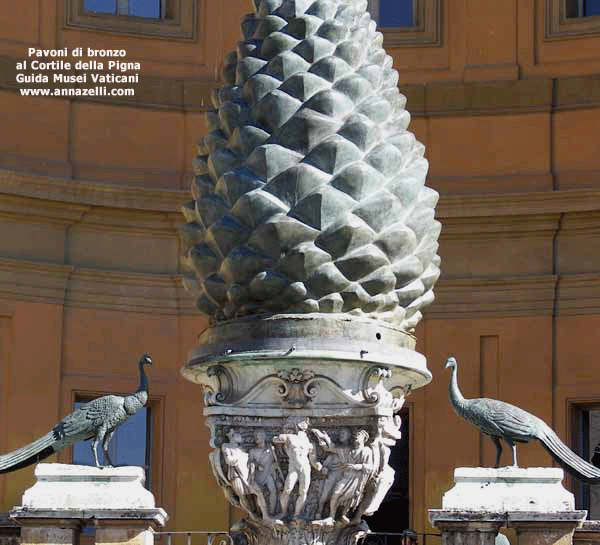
{"type": "Point", "coordinates": [153, 440]}
{"type": "Point", "coordinates": [179, 21]}
{"type": "Point", "coordinates": [426, 32]}
{"type": "Point", "coordinates": [558, 25]}
{"type": "Point", "coordinates": [575, 407]}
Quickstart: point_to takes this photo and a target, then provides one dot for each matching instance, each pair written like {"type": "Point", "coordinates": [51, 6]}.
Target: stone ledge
{"type": "Point", "coordinates": [94, 288]}
{"type": "Point", "coordinates": [156, 516]}
{"type": "Point", "coordinates": [455, 515]}
{"type": "Point", "coordinates": [77, 488]}
{"type": "Point", "coordinates": [472, 519]}
{"type": "Point", "coordinates": [531, 295]}
{"type": "Point", "coordinates": [80, 194]}
{"type": "Point", "coordinates": [545, 519]}
{"type": "Point", "coordinates": [588, 533]}
{"type": "Point", "coordinates": [509, 489]}
{"type": "Point", "coordinates": [434, 99]}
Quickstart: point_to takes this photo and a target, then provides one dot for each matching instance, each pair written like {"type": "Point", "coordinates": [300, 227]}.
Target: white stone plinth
{"type": "Point", "coordinates": [505, 489]}
{"type": "Point", "coordinates": [64, 487]}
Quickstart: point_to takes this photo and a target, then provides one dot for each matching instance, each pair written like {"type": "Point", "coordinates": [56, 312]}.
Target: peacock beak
{"type": "Point", "coordinates": [146, 359]}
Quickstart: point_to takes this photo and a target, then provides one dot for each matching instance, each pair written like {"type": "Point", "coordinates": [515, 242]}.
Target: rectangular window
{"type": "Point", "coordinates": [570, 18]}
{"type": "Point", "coordinates": [586, 443]}
{"type": "Point", "coordinates": [393, 13]}
{"type": "Point", "coordinates": [129, 8]}
{"type": "Point", "coordinates": [161, 18]}
{"type": "Point", "coordinates": [582, 8]}
{"type": "Point", "coordinates": [145, 8]}
{"type": "Point", "coordinates": [100, 6]}
{"type": "Point", "coordinates": [131, 445]}
{"type": "Point", "coordinates": [408, 22]}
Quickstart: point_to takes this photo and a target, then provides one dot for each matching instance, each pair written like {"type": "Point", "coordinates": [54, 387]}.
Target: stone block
{"type": "Point", "coordinates": [67, 487]}
{"type": "Point", "coordinates": [509, 489]}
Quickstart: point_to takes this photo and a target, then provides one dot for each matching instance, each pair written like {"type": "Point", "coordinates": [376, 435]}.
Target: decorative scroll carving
{"type": "Point", "coordinates": [372, 395]}
{"type": "Point", "coordinates": [225, 388]}
{"type": "Point", "coordinates": [297, 388]}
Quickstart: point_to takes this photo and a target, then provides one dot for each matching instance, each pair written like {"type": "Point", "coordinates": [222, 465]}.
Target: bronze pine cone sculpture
{"type": "Point", "coordinates": [309, 193]}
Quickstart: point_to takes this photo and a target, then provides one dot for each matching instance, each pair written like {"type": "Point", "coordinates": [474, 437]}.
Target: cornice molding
{"type": "Point", "coordinates": [82, 193]}
{"type": "Point", "coordinates": [30, 281]}
{"type": "Point", "coordinates": [40, 211]}
{"type": "Point", "coordinates": [506, 296]}
{"type": "Point", "coordinates": [456, 298]}
{"type": "Point", "coordinates": [518, 204]}
{"type": "Point", "coordinates": [130, 292]}
{"type": "Point", "coordinates": [492, 227]}
{"type": "Point", "coordinates": [79, 195]}
{"type": "Point", "coordinates": [578, 294]}
{"type": "Point", "coordinates": [130, 222]}
{"type": "Point", "coordinates": [33, 281]}
{"type": "Point", "coordinates": [487, 98]}
{"type": "Point", "coordinates": [432, 100]}
{"type": "Point", "coordinates": [96, 206]}
{"type": "Point", "coordinates": [582, 223]}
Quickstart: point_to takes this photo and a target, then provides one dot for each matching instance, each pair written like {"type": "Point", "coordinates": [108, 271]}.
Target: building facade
{"type": "Point", "coordinates": [504, 95]}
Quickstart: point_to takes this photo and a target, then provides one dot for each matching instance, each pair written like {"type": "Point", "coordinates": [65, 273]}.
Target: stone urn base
{"type": "Point", "coordinates": [299, 533]}
{"type": "Point", "coordinates": [302, 416]}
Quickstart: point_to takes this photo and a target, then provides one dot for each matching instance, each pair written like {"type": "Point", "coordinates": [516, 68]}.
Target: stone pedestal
{"type": "Point", "coordinates": [49, 531]}
{"type": "Point", "coordinates": [65, 498]}
{"type": "Point", "coordinates": [483, 500]}
{"type": "Point", "coordinates": [588, 533]}
{"type": "Point", "coordinates": [467, 527]}
{"type": "Point", "coordinates": [545, 528]}
{"type": "Point", "coordinates": [483, 489]}
{"type": "Point", "coordinates": [132, 532]}
{"type": "Point", "coordinates": [9, 532]}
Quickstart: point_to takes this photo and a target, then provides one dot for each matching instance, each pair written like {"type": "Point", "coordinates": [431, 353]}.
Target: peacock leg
{"type": "Point", "coordinates": [95, 450]}
{"type": "Point", "coordinates": [99, 439]}
{"type": "Point", "coordinates": [498, 445]}
{"type": "Point", "coordinates": [513, 446]}
{"type": "Point", "coordinates": [105, 444]}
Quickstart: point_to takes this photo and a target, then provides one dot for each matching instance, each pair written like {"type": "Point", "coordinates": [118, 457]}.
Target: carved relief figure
{"type": "Point", "coordinates": [334, 464]}
{"type": "Point", "coordinates": [383, 475]}
{"type": "Point", "coordinates": [238, 476]}
{"type": "Point", "coordinates": [348, 490]}
{"type": "Point", "coordinates": [264, 469]}
{"type": "Point", "coordinates": [301, 454]}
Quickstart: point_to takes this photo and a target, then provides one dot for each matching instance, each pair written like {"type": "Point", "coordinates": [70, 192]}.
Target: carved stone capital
{"type": "Point", "coordinates": [302, 431]}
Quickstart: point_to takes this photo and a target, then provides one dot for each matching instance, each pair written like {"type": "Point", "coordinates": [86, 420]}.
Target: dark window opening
{"type": "Point", "coordinates": [150, 9]}
{"type": "Point", "coordinates": [394, 513]}
{"type": "Point", "coordinates": [393, 13]}
{"type": "Point", "coordinates": [582, 8]}
{"type": "Point", "coordinates": [586, 443]}
{"type": "Point", "coordinates": [131, 445]}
